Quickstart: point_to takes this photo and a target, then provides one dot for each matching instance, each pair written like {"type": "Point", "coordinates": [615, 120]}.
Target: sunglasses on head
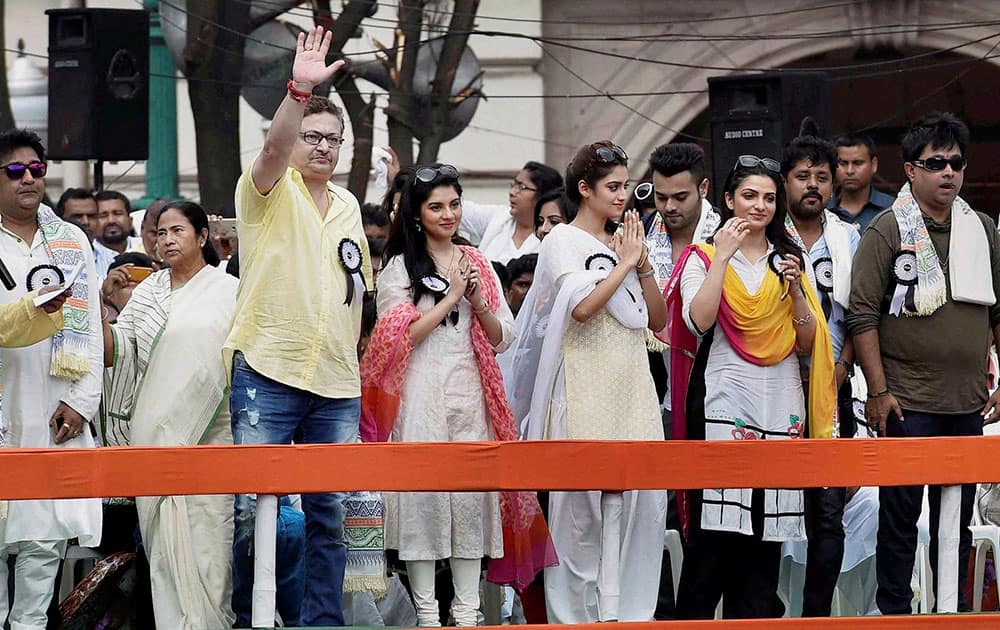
{"type": "Point", "coordinates": [937, 163]}
{"type": "Point", "coordinates": [609, 154]}
{"type": "Point", "coordinates": [428, 174]}
{"type": "Point", "coordinates": [15, 170]}
{"type": "Point", "coordinates": [752, 161]}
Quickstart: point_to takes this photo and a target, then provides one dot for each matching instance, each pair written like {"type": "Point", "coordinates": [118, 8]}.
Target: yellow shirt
{"type": "Point", "coordinates": [22, 324]}
{"type": "Point", "coordinates": [292, 323]}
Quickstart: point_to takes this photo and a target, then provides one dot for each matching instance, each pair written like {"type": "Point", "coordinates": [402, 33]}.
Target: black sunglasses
{"type": "Point", "coordinates": [15, 170]}
{"type": "Point", "coordinates": [613, 153]}
{"type": "Point", "coordinates": [429, 174]}
{"type": "Point", "coordinates": [752, 161]}
{"type": "Point", "coordinates": [937, 163]}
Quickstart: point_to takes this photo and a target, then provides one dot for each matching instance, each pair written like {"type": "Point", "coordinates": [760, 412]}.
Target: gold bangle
{"type": "Point", "coordinates": [646, 274]}
{"type": "Point", "coordinates": [485, 307]}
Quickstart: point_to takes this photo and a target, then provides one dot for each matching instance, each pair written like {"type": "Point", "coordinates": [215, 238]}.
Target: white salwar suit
{"type": "Point", "coordinates": [37, 530]}
{"type": "Point", "coordinates": [568, 380]}
{"type": "Point", "coordinates": [176, 337]}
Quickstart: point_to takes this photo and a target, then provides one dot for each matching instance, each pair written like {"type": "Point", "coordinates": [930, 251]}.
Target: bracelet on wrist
{"type": "Point", "coordinates": [645, 274]}
{"type": "Point", "coordinates": [803, 321]}
{"type": "Point", "coordinates": [296, 94]}
{"type": "Point", "coordinates": [482, 309]}
{"type": "Point", "coordinates": [884, 392]}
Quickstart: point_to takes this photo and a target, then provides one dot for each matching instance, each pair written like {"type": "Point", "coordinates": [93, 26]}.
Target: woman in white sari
{"type": "Point", "coordinates": [578, 370]}
{"type": "Point", "coordinates": [174, 327]}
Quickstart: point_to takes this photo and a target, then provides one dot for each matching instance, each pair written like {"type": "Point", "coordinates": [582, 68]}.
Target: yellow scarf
{"type": "Point", "coordinates": [760, 329]}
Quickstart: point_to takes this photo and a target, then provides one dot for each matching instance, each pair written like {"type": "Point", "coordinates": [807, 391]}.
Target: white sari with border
{"type": "Point", "coordinates": [181, 398]}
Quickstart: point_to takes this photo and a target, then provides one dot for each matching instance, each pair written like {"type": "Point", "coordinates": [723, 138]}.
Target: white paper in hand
{"type": "Point", "coordinates": [73, 275]}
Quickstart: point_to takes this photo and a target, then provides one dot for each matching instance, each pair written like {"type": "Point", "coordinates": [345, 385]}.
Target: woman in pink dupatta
{"type": "Point", "coordinates": [429, 374]}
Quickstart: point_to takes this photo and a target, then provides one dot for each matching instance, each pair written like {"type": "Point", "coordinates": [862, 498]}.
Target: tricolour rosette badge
{"type": "Point", "coordinates": [904, 273]}
{"type": "Point", "coordinates": [350, 258]}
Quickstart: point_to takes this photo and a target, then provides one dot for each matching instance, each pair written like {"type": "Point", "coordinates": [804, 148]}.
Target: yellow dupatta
{"type": "Point", "coordinates": [760, 329]}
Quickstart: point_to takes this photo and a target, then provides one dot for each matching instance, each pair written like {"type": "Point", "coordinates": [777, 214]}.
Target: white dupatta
{"type": "Point", "coordinates": [570, 264]}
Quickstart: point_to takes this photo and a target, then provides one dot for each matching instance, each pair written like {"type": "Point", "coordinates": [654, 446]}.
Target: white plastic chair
{"type": "Point", "coordinates": [672, 543]}
{"type": "Point", "coordinates": [922, 593]}
{"type": "Point", "coordinates": [984, 538]}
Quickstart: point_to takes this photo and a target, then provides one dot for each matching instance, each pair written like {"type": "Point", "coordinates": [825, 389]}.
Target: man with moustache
{"type": "Point", "coordinates": [923, 315]}
{"type": "Point", "coordinates": [859, 202]}
{"type": "Point", "coordinates": [114, 229]}
{"type": "Point", "coordinates": [808, 167]}
{"type": "Point", "coordinates": [683, 216]}
{"type": "Point", "coordinates": [52, 388]}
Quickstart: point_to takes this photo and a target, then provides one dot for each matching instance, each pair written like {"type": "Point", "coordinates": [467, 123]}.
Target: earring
{"type": "Point", "coordinates": [420, 228]}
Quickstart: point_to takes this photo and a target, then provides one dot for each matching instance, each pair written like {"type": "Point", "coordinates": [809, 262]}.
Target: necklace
{"type": "Point", "coordinates": [446, 271]}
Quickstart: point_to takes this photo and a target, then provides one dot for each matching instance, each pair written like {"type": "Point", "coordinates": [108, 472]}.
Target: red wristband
{"type": "Point", "coordinates": [297, 95]}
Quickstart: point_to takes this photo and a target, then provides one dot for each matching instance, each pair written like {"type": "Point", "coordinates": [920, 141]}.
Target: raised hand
{"type": "Point", "coordinates": [730, 237]}
{"type": "Point", "coordinates": [309, 68]}
{"type": "Point", "coordinates": [792, 273]}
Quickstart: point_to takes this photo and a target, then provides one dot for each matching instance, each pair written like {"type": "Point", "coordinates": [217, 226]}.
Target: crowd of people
{"type": "Point", "coordinates": [585, 308]}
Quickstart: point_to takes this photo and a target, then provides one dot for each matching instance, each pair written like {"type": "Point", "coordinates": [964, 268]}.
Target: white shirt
{"type": "Point", "coordinates": [491, 228]}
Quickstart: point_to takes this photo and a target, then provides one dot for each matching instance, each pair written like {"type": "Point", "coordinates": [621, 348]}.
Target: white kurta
{"type": "Point", "coordinates": [747, 401]}
{"type": "Point", "coordinates": [31, 396]}
{"type": "Point", "coordinates": [442, 401]}
{"type": "Point", "coordinates": [572, 380]}
{"type": "Point", "coordinates": [491, 228]}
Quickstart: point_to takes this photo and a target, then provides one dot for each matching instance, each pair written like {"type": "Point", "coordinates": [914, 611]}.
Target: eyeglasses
{"type": "Point", "coordinates": [937, 163]}
{"type": "Point", "coordinates": [752, 161]}
{"type": "Point", "coordinates": [614, 153]}
{"type": "Point", "coordinates": [643, 191]}
{"type": "Point", "coordinates": [15, 170]}
{"type": "Point", "coordinates": [314, 138]}
{"type": "Point", "coordinates": [519, 187]}
{"type": "Point", "coordinates": [429, 174]}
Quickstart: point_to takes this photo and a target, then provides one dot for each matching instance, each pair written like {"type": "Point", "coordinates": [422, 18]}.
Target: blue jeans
{"type": "Point", "coordinates": [265, 411]}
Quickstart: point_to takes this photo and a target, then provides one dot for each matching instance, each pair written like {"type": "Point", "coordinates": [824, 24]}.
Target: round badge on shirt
{"type": "Point", "coordinates": [44, 276]}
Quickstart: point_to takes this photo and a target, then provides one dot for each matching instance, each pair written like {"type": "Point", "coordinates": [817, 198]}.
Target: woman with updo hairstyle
{"type": "Point", "coordinates": [166, 350]}
{"type": "Point", "coordinates": [579, 371]}
{"type": "Point", "coordinates": [429, 374]}
{"type": "Point", "coordinates": [741, 317]}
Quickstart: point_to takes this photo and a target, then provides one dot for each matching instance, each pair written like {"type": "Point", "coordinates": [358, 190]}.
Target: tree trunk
{"type": "Point", "coordinates": [6, 115]}
{"type": "Point", "coordinates": [462, 21]}
{"type": "Point", "coordinates": [402, 106]}
{"type": "Point", "coordinates": [359, 112]}
{"type": "Point", "coordinates": [214, 62]}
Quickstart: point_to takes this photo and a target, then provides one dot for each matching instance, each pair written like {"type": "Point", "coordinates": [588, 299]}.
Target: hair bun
{"type": "Point", "coordinates": [809, 127]}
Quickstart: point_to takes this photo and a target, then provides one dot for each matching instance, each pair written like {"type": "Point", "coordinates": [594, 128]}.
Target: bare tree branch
{"type": "Point", "coordinates": [402, 103]}
{"type": "Point", "coordinates": [462, 21]}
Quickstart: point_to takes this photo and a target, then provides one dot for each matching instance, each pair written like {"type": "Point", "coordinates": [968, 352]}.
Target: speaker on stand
{"type": "Point", "coordinates": [98, 86]}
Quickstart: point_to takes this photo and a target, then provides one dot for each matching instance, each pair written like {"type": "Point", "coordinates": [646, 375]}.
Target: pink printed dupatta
{"type": "Point", "coordinates": [527, 544]}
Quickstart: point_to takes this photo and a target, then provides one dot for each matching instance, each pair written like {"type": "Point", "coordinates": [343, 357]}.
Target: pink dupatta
{"type": "Point", "coordinates": [527, 544]}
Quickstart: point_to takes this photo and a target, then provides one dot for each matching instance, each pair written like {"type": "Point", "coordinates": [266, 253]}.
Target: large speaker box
{"type": "Point", "coordinates": [98, 84]}
{"type": "Point", "coordinates": [758, 114]}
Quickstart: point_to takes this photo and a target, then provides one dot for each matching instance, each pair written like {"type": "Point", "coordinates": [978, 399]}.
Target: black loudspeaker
{"type": "Point", "coordinates": [98, 84]}
{"type": "Point", "coordinates": [758, 114]}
